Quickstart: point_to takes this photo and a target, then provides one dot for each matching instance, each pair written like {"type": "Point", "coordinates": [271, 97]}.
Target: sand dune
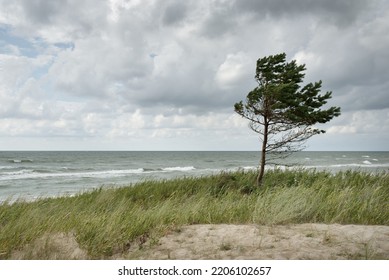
{"type": "Point", "coordinates": [303, 241]}
{"type": "Point", "coordinates": [228, 241]}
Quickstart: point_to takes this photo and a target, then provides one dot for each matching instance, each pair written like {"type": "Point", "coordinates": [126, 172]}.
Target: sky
{"type": "Point", "coordinates": [165, 75]}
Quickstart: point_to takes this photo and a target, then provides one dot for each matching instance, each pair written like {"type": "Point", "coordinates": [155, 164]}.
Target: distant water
{"type": "Point", "coordinates": [29, 175]}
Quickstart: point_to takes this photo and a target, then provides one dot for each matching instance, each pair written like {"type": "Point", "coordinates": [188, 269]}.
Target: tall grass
{"type": "Point", "coordinates": [108, 221]}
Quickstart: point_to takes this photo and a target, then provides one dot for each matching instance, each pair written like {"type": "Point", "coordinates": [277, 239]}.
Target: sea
{"type": "Point", "coordinates": [28, 175]}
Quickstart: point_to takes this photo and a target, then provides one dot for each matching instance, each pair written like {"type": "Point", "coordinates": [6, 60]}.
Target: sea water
{"type": "Point", "coordinates": [29, 175]}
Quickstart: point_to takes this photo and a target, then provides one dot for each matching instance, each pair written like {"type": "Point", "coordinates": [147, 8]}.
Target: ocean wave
{"type": "Point", "coordinates": [247, 168]}
{"type": "Point", "coordinates": [38, 174]}
{"type": "Point", "coordinates": [366, 164]}
{"type": "Point", "coordinates": [152, 169]}
{"type": "Point", "coordinates": [20, 160]}
{"type": "Point", "coordinates": [114, 173]}
{"type": "Point", "coordinates": [7, 167]}
{"type": "Point", "coordinates": [16, 173]}
{"type": "Point", "coordinates": [32, 174]}
{"type": "Point", "coordinates": [179, 168]}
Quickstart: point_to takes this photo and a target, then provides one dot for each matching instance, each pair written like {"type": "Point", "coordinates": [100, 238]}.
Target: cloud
{"type": "Point", "coordinates": [351, 61]}
{"type": "Point", "coordinates": [339, 12]}
{"type": "Point", "coordinates": [54, 21]}
{"type": "Point", "coordinates": [174, 13]}
{"type": "Point", "coordinates": [171, 70]}
{"type": "Point", "coordinates": [342, 129]}
{"type": "Point", "coordinates": [366, 122]}
{"type": "Point", "coordinates": [235, 68]}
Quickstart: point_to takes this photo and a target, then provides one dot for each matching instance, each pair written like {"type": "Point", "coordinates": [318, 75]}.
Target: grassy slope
{"type": "Point", "coordinates": [106, 221]}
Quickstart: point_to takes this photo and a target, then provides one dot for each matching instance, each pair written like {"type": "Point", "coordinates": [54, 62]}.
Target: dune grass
{"type": "Point", "coordinates": [108, 221]}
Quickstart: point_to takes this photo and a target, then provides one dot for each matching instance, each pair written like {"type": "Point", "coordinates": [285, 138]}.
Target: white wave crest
{"type": "Point", "coordinates": [20, 160]}
{"type": "Point", "coordinates": [30, 174]}
{"type": "Point", "coordinates": [179, 168]}
{"type": "Point", "coordinates": [250, 168]}
{"type": "Point", "coordinates": [6, 167]}
{"type": "Point", "coordinates": [17, 173]}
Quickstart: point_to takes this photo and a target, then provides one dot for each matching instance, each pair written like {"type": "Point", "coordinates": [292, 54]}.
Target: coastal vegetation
{"type": "Point", "coordinates": [109, 221]}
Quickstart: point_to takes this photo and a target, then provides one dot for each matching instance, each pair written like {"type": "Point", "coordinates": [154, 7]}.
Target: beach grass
{"type": "Point", "coordinates": [108, 221]}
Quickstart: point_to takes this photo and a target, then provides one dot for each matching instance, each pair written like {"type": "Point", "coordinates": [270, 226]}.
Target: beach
{"type": "Point", "coordinates": [234, 241]}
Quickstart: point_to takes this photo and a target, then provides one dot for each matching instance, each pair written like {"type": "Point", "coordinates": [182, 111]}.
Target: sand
{"type": "Point", "coordinates": [227, 241]}
{"type": "Point", "coordinates": [297, 242]}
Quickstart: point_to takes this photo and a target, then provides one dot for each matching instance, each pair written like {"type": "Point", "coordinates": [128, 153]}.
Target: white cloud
{"type": "Point", "coordinates": [363, 122]}
{"type": "Point", "coordinates": [235, 68]}
{"type": "Point", "coordinates": [342, 129]}
{"type": "Point", "coordinates": [169, 59]}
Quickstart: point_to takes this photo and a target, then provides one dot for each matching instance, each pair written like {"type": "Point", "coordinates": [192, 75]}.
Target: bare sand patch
{"type": "Point", "coordinates": [229, 241]}
{"type": "Point", "coordinates": [57, 246]}
{"type": "Point", "coordinates": [302, 241]}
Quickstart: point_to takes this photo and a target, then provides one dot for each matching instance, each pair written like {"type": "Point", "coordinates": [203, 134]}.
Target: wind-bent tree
{"type": "Point", "coordinates": [282, 111]}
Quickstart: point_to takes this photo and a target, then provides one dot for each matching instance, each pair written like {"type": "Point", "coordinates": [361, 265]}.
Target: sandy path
{"type": "Point", "coordinates": [304, 241]}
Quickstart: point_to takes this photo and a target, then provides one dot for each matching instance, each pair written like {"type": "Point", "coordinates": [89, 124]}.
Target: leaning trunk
{"type": "Point", "coordinates": [263, 156]}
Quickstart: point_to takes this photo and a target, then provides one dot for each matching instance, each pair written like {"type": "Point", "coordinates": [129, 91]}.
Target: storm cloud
{"type": "Point", "coordinates": [157, 75]}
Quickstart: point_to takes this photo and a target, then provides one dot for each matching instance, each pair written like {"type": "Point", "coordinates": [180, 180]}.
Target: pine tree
{"type": "Point", "coordinates": [281, 110]}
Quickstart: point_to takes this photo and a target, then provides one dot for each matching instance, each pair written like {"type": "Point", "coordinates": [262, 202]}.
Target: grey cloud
{"type": "Point", "coordinates": [189, 86]}
{"type": "Point", "coordinates": [174, 13]}
{"type": "Point", "coordinates": [72, 18]}
{"type": "Point", "coordinates": [177, 92]}
{"type": "Point", "coordinates": [342, 12]}
{"type": "Point", "coordinates": [369, 97]}
{"type": "Point", "coordinates": [228, 17]}
{"type": "Point", "coordinates": [43, 12]}
{"type": "Point", "coordinates": [217, 26]}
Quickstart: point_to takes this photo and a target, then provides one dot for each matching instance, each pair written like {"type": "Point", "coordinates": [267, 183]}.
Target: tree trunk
{"type": "Point", "coordinates": [263, 155]}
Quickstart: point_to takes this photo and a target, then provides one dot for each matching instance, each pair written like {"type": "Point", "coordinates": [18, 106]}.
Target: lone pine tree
{"type": "Point", "coordinates": [282, 111]}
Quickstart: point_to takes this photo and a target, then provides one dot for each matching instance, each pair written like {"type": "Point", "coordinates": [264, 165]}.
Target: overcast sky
{"type": "Point", "coordinates": [164, 75]}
